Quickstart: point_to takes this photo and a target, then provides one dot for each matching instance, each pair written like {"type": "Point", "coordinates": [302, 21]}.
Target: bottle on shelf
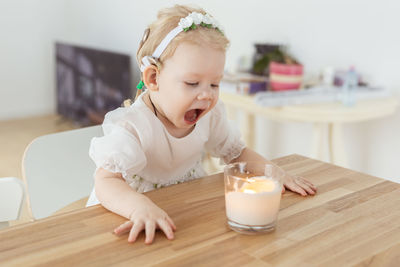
{"type": "Point", "coordinates": [349, 87]}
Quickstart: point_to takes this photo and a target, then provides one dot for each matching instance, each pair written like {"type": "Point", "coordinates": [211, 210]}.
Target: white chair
{"type": "Point", "coordinates": [58, 171]}
{"type": "Point", "coordinates": [11, 198]}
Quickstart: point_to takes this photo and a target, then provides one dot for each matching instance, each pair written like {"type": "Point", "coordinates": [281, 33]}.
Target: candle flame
{"type": "Point", "coordinates": [258, 185]}
{"type": "Point", "coordinates": [249, 191]}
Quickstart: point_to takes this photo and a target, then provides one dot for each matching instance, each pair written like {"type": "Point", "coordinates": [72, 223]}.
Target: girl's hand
{"type": "Point", "coordinates": [147, 217]}
{"type": "Point", "coordinates": [299, 185]}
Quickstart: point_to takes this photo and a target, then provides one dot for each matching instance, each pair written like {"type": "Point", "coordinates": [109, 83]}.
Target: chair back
{"type": "Point", "coordinates": [11, 198]}
{"type": "Point", "coordinates": [57, 170]}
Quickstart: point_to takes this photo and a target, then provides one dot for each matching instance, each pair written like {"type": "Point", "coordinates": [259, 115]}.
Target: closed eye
{"type": "Point", "coordinates": [215, 85]}
{"type": "Point", "coordinates": [192, 84]}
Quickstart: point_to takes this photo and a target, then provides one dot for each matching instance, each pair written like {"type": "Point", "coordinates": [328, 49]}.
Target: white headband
{"type": "Point", "coordinates": [185, 24]}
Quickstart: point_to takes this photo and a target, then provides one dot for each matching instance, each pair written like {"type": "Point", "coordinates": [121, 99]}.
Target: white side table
{"type": "Point", "coordinates": [331, 115]}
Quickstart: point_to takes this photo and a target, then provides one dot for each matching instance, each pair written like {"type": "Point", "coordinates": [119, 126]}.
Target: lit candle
{"type": "Point", "coordinates": [256, 202]}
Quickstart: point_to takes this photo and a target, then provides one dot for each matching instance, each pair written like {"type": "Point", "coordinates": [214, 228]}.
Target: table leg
{"type": "Point", "coordinates": [248, 130]}
{"type": "Point", "coordinates": [318, 140]}
{"type": "Point", "coordinates": [231, 112]}
{"type": "Point", "coordinates": [336, 145]}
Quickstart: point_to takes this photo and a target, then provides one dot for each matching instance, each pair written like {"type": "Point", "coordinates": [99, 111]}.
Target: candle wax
{"type": "Point", "coordinates": [255, 203]}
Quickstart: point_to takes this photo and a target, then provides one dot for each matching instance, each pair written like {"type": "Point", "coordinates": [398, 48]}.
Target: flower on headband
{"type": "Point", "coordinates": [186, 22]}
{"type": "Point", "coordinates": [216, 24]}
{"type": "Point", "coordinates": [196, 18]}
{"type": "Point", "coordinates": [207, 19]}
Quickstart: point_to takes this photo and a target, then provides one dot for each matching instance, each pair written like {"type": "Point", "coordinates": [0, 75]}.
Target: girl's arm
{"type": "Point", "coordinates": [293, 183]}
{"type": "Point", "coordinates": [117, 196]}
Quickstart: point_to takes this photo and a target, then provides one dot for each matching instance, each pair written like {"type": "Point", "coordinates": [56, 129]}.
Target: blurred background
{"type": "Point", "coordinates": [319, 34]}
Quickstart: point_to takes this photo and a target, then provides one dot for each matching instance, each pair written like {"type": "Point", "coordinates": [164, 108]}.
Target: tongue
{"type": "Point", "coordinates": [191, 115]}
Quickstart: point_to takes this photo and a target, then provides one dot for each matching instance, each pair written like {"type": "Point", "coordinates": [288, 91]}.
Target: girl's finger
{"type": "Point", "coordinates": [150, 229]}
{"type": "Point", "coordinates": [283, 189]}
{"type": "Point", "coordinates": [135, 230]}
{"type": "Point", "coordinates": [304, 181]}
{"type": "Point", "coordinates": [305, 186]}
{"type": "Point", "coordinates": [123, 228]}
{"type": "Point", "coordinates": [166, 228]}
{"type": "Point", "coordinates": [308, 183]}
{"type": "Point", "coordinates": [171, 222]}
{"type": "Point", "coordinates": [295, 188]}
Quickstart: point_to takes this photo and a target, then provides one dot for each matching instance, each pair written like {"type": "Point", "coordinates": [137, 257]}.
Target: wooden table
{"type": "Point", "coordinates": [353, 220]}
{"type": "Point", "coordinates": [327, 120]}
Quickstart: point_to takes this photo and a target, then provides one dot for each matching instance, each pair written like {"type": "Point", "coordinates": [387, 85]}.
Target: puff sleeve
{"type": "Point", "coordinates": [119, 150]}
{"type": "Point", "coordinates": [224, 140]}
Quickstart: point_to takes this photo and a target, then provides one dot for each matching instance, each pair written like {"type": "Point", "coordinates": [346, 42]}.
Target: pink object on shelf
{"type": "Point", "coordinates": [285, 76]}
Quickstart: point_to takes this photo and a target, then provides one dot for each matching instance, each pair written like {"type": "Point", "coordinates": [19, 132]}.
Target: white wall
{"type": "Point", "coordinates": [27, 30]}
{"type": "Point", "coordinates": [336, 33]}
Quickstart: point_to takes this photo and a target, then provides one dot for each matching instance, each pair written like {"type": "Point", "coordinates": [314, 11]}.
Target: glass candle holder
{"type": "Point", "coordinates": [252, 196]}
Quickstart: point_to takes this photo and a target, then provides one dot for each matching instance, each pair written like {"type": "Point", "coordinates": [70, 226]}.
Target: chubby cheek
{"type": "Point", "coordinates": [176, 108]}
{"type": "Point", "coordinates": [213, 103]}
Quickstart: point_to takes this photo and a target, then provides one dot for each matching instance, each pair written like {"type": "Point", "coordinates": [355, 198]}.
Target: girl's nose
{"type": "Point", "coordinates": [205, 94]}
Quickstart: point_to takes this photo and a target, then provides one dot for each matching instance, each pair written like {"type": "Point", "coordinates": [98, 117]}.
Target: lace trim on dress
{"type": "Point", "coordinates": [233, 152]}
{"type": "Point", "coordinates": [141, 185]}
{"type": "Point", "coordinates": [113, 167]}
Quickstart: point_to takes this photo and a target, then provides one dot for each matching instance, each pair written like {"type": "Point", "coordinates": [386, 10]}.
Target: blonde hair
{"type": "Point", "coordinates": [167, 20]}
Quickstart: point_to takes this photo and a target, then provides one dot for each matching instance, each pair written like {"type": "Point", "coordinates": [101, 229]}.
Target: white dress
{"type": "Point", "coordinates": [137, 145]}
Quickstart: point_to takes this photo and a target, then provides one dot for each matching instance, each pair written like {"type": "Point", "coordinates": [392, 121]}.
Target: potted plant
{"type": "Point", "coordinates": [285, 72]}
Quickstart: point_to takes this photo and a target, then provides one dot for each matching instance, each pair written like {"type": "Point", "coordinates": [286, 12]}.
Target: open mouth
{"type": "Point", "coordinates": [193, 115]}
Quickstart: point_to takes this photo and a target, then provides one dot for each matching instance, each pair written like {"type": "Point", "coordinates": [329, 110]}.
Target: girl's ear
{"type": "Point", "coordinates": [150, 75]}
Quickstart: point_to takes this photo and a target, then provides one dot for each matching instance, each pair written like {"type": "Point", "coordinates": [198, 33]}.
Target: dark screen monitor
{"type": "Point", "coordinates": [90, 82]}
